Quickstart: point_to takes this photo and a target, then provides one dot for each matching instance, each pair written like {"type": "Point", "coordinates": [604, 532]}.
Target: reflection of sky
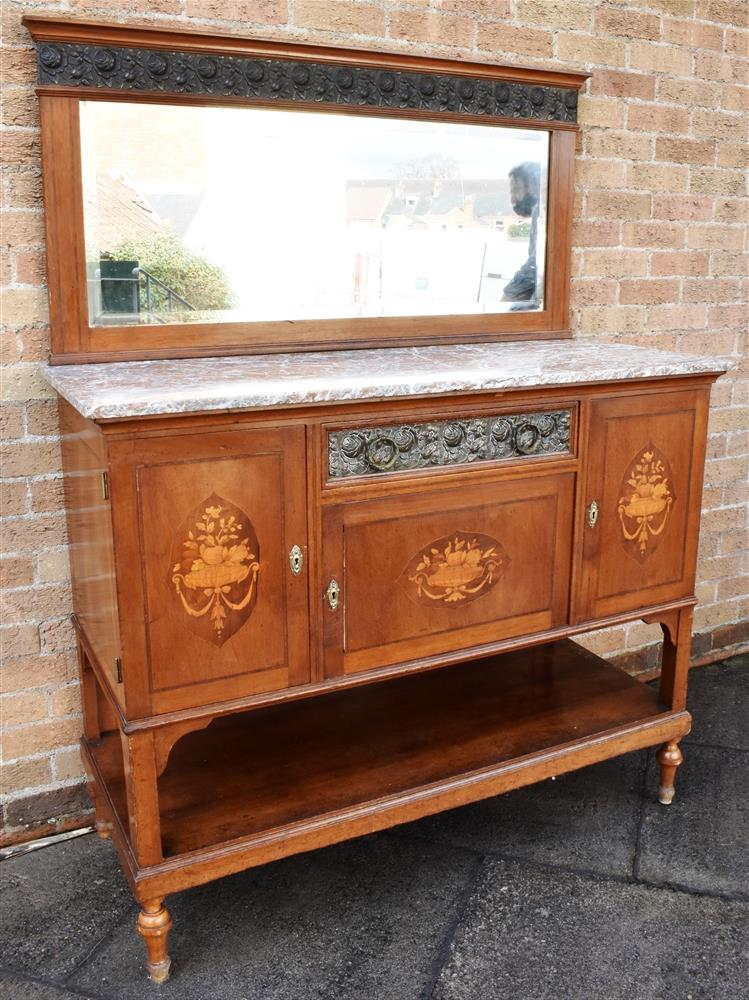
{"type": "Point", "coordinates": [373, 148]}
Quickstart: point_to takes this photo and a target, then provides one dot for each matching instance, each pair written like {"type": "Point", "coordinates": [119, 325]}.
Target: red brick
{"type": "Point", "coordinates": [685, 263]}
{"type": "Point", "coordinates": [615, 83]}
{"type": "Point", "coordinates": [16, 571]}
{"type": "Point", "coordinates": [648, 291]}
{"type": "Point", "coordinates": [675, 317]}
{"type": "Point", "coordinates": [685, 150]}
{"type": "Point", "coordinates": [692, 34]}
{"type": "Point", "coordinates": [618, 205]}
{"type": "Point", "coordinates": [658, 235]}
{"type": "Point", "coordinates": [654, 118]}
{"type": "Point", "coordinates": [11, 422]}
{"type": "Point", "coordinates": [246, 11]}
{"type": "Point", "coordinates": [682, 207]}
{"type": "Point", "coordinates": [432, 27]}
{"type": "Point", "coordinates": [595, 234]}
{"type": "Point", "coordinates": [339, 16]}
{"type": "Point", "coordinates": [13, 499]}
{"type": "Point", "coordinates": [627, 23]}
{"type": "Point", "coordinates": [507, 38]}
{"type": "Point", "coordinates": [710, 290]}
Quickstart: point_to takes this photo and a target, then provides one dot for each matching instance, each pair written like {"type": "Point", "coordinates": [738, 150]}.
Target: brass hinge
{"type": "Point", "coordinates": [118, 669]}
{"type": "Point", "coordinates": [105, 485]}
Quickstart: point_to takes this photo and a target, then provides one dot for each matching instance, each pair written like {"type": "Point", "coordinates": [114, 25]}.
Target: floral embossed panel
{"type": "Point", "coordinates": [455, 569]}
{"type": "Point", "coordinates": [646, 500]}
{"type": "Point", "coordinates": [214, 569]}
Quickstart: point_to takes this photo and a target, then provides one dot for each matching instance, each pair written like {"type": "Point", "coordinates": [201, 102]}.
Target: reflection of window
{"type": "Point", "coordinates": [444, 228]}
{"type": "Point", "coordinates": [498, 224]}
{"type": "Point", "coordinates": [410, 203]}
{"type": "Point", "coordinates": [460, 227]}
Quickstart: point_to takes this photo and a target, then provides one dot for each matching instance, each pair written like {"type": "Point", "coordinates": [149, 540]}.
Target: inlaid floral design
{"type": "Point", "coordinates": [457, 568]}
{"type": "Point", "coordinates": [645, 503]}
{"type": "Point", "coordinates": [216, 575]}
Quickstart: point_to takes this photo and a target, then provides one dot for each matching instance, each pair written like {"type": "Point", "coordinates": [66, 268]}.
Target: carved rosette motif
{"type": "Point", "coordinates": [173, 72]}
{"type": "Point", "coordinates": [215, 565]}
{"type": "Point", "coordinates": [645, 503]}
{"type": "Point", "coordinates": [455, 570]}
{"type": "Point", "coordinates": [401, 447]}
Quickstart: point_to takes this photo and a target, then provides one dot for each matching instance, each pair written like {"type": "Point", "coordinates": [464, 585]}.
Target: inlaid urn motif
{"type": "Point", "coordinates": [215, 567]}
{"type": "Point", "coordinates": [645, 503]}
{"type": "Point", "coordinates": [455, 569]}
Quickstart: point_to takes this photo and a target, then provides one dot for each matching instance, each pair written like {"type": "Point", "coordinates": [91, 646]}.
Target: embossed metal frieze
{"type": "Point", "coordinates": [400, 447]}
{"type": "Point", "coordinates": [172, 72]}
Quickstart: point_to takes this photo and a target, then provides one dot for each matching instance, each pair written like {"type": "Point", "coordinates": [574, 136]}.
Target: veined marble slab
{"type": "Point", "coordinates": [150, 388]}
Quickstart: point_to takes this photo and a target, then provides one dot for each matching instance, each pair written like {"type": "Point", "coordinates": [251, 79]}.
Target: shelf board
{"type": "Point", "coordinates": [254, 772]}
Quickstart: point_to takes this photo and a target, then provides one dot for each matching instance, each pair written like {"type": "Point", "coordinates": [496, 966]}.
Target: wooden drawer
{"type": "Point", "coordinates": [384, 449]}
{"type": "Point", "coordinates": [435, 572]}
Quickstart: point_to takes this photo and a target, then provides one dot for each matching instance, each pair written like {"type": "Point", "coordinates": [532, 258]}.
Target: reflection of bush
{"type": "Point", "coordinates": [203, 284]}
{"type": "Point", "coordinates": [518, 230]}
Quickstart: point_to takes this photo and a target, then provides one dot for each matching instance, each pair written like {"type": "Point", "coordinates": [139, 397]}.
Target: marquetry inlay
{"type": "Point", "coordinates": [455, 569]}
{"type": "Point", "coordinates": [645, 503]}
{"type": "Point", "coordinates": [215, 566]}
{"type": "Point", "coordinates": [399, 447]}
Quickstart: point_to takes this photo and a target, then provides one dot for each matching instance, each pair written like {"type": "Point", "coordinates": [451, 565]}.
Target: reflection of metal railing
{"type": "Point", "coordinates": [151, 282]}
{"type": "Point", "coordinates": [121, 291]}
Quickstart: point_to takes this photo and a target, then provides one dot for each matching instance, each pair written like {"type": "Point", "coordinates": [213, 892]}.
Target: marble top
{"type": "Point", "coordinates": [189, 385]}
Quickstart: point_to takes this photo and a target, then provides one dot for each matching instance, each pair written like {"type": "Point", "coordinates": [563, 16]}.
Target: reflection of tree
{"type": "Point", "coordinates": [203, 284]}
{"type": "Point", "coordinates": [435, 166]}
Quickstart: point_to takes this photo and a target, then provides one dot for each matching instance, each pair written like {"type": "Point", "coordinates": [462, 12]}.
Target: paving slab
{"type": "Point", "coordinates": [531, 934]}
{"type": "Point", "coordinates": [587, 819]}
{"type": "Point", "coordinates": [701, 841]}
{"type": "Point", "coordinates": [719, 702]}
{"type": "Point", "coordinates": [58, 903]}
{"type": "Point", "coordinates": [365, 919]}
{"type": "Point", "coordinates": [15, 987]}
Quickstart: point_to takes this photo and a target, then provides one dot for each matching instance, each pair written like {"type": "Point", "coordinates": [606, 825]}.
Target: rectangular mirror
{"type": "Point", "coordinates": [206, 214]}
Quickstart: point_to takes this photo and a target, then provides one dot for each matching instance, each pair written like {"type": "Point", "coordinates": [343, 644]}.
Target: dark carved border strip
{"type": "Point", "coordinates": [172, 72]}
{"type": "Point", "coordinates": [402, 447]}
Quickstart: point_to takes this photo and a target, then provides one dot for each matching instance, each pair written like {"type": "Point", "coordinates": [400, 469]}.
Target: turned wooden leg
{"type": "Point", "coordinates": [669, 757]}
{"type": "Point", "coordinates": [154, 924]}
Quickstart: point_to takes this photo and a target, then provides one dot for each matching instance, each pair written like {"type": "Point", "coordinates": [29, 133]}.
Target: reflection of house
{"type": "Point", "coordinates": [432, 204]}
{"type": "Point", "coordinates": [117, 212]}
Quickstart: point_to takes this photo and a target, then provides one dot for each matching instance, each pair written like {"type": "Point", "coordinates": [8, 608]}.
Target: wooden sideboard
{"type": "Point", "coordinates": [265, 585]}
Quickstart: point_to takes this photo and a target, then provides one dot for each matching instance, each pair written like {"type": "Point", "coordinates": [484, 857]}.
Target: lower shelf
{"type": "Point", "coordinates": [374, 756]}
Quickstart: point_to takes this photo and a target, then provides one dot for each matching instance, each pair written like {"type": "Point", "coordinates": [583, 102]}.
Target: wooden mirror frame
{"type": "Point", "coordinates": [82, 60]}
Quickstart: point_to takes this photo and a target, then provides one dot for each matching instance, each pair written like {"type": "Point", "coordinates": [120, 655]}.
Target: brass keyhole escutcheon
{"type": "Point", "coordinates": [296, 560]}
{"type": "Point", "coordinates": [333, 594]}
{"type": "Point", "coordinates": [592, 514]}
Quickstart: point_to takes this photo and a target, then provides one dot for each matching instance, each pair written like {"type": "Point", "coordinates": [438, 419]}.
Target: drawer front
{"type": "Point", "coordinates": [426, 574]}
{"type": "Point", "coordinates": [644, 473]}
{"type": "Point", "coordinates": [392, 448]}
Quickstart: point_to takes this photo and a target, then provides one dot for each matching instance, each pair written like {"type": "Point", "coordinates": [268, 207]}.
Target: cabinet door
{"type": "Point", "coordinates": [644, 473]}
{"type": "Point", "coordinates": [424, 574]}
{"type": "Point", "coordinates": [214, 607]}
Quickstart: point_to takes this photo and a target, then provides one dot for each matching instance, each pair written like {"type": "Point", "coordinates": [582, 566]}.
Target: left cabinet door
{"type": "Point", "coordinates": [212, 605]}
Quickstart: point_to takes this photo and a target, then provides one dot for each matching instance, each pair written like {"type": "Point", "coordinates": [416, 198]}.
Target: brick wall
{"type": "Point", "coordinates": [660, 259]}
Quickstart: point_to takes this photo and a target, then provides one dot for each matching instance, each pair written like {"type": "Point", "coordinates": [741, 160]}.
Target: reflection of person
{"type": "Point", "coordinates": [525, 194]}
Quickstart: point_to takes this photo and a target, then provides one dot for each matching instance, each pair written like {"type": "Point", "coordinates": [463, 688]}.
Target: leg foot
{"type": "Point", "coordinates": [154, 924]}
{"type": "Point", "coordinates": [669, 757]}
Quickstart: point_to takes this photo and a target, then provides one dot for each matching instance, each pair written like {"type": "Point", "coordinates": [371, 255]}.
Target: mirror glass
{"type": "Point", "coordinates": [209, 214]}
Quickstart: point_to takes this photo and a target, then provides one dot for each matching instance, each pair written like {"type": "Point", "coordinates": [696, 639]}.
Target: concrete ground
{"type": "Point", "coordinates": [583, 888]}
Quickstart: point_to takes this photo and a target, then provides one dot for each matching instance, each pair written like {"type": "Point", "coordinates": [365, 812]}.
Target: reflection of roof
{"type": "Point", "coordinates": [178, 210]}
{"type": "Point", "coordinates": [490, 197]}
{"type": "Point", "coordinates": [118, 213]}
{"type": "Point", "coordinates": [366, 201]}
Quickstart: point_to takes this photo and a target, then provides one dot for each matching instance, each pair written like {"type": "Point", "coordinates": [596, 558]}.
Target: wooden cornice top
{"type": "Point", "coordinates": [53, 29]}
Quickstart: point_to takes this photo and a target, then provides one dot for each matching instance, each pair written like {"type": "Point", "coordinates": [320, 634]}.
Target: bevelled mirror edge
{"type": "Point", "coordinates": [74, 339]}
